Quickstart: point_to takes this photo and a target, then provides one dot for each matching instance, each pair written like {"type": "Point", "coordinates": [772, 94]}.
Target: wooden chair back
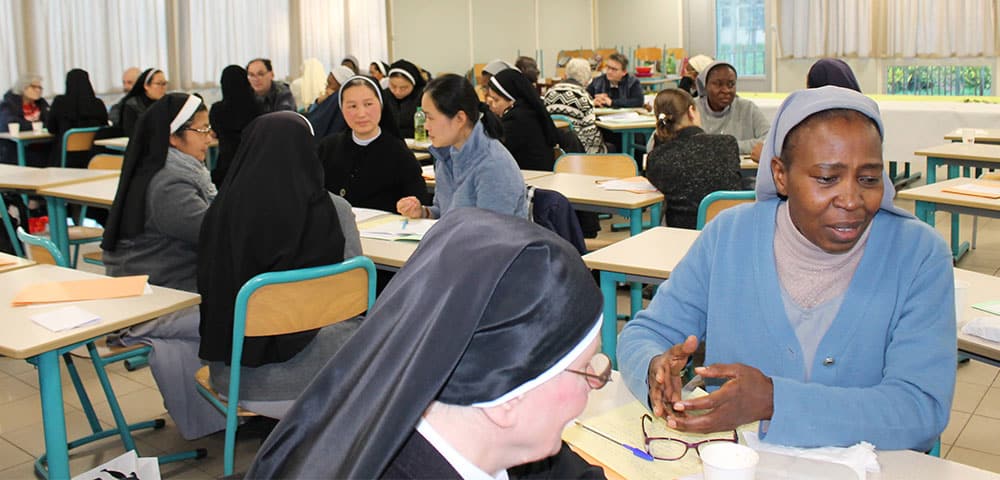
{"type": "Point", "coordinates": [80, 141]}
{"type": "Point", "coordinates": [648, 54]}
{"type": "Point", "coordinates": [715, 202]}
{"type": "Point", "coordinates": [606, 165]}
{"type": "Point", "coordinates": [105, 161]}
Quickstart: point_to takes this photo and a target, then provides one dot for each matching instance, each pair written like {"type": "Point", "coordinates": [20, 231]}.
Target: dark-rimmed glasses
{"type": "Point", "coordinates": [598, 372]}
{"type": "Point", "coordinates": [670, 449]}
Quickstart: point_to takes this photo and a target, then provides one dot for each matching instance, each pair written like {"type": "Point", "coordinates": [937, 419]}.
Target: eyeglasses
{"type": "Point", "coordinates": [598, 372]}
{"type": "Point", "coordinates": [203, 131]}
{"type": "Point", "coordinates": [160, 84]}
{"type": "Point", "coordinates": [37, 87]}
{"type": "Point", "coordinates": [670, 449]}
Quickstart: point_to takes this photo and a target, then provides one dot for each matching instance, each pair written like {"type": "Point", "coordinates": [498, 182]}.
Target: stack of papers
{"type": "Point", "coordinates": [398, 228]}
{"type": "Point", "coordinates": [77, 290]}
{"type": "Point", "coordinates": [625, 117]}
{"type": "Point", "coordinates": [362, 215]}
{"type": "Point", "coordinates": [988, 307]}
{"type": "Point", "coordinates": [630, 184]}
{"type": "Point", "coordinates": [65, 318]}
{"type": "Point", "coordinates": [983, 189]}
{"type": "Point", "coordinates": [428, 172]}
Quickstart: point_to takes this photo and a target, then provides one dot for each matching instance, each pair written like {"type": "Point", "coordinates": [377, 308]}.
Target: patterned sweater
{"type": "Point", "coordinates": [572, 100]}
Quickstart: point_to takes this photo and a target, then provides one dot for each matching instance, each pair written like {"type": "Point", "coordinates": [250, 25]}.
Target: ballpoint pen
{"type": "Point", "coordinates": [635, 451]}
{"type": "Point", "coordinates": [406, 222]}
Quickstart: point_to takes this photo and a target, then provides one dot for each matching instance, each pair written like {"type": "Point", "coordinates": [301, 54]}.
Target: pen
{"type": "Point", "coordinates": [406, 221]}
{"type": "Point", "coordinates": [635, 451]}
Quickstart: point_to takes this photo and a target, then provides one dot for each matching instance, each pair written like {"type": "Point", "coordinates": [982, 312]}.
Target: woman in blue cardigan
{"type": "Point", "coordinates": [840, 328]}
{"type": "Point", "coordinates": [471, 167]}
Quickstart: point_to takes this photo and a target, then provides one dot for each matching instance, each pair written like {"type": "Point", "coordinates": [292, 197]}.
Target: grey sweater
{"type": "Point", "coordinates": [741, 119]}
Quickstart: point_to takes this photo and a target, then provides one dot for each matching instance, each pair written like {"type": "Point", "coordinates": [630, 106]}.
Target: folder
{"type": "Point", "coordinates": [77, 290]}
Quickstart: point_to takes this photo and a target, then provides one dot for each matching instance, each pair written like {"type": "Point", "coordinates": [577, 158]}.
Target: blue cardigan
{"type": "Point", "coordinates": [892, 344]}
{"type": "Point", "coordinates": [481, 174]}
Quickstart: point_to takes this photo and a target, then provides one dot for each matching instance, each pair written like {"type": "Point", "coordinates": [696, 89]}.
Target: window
{"type": "Point", "coordinates": [948, 80]}
{"type": "Point", "coordinates": [740, 35]}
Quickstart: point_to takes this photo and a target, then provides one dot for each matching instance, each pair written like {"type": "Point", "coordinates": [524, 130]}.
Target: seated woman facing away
{"type": "Point", "coordinates": [366, 165]}
{"type": "Point", "coordinates": [230, 116]}
{"type": "Point", "coordinates": [272, 214]}
{"type": "Point", "coordinates": [832, 71]}
{"type": "Point", "coordinates": [724, 112]}
{"type": "Point", "coordinates": [79, 107]}
{"type": "Point", "coordinates": [471, 167]}
{"type": "Point", "coordinates": [820, 328]}
{"type": "Point", "coordinates": [478, 383]}
{"type": "Point", "coordinates": [687, 164]}
{"type": "Point", "coordinates": [528, 131]}
{"type": "Point", "coordinates": [570, 98]}
{"type": "Point", "coordinates": [152, 229]}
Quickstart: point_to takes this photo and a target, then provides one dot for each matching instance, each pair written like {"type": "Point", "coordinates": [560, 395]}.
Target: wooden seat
{"type": "Point", "coordinates": [104, 161]}
{"type": "Point", "coordinates": [94, 258]}
{"type": "Point", "coordinates": [202, 377]}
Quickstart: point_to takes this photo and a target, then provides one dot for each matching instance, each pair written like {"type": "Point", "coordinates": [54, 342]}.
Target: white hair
{"type": "Point", "coordinates": [24, 80]}
{"type": "Point", "coordinates": [579, 69]}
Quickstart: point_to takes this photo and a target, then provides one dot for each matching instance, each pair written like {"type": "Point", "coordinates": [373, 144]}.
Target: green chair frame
{"type": "Point", "coordinates": [556, 116]}
{"type": "Point", "coordinates": [122, 428]}
{"type": "Point", "coordinates": [721, 195]}
{"type": "Point", "coordinates": [231, 406]}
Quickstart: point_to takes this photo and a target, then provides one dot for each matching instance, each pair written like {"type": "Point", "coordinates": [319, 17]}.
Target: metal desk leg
{"type": "Point", "coordinates": [609, 329]}
{"type": "Point", "coordinates": [22, 158]}
{"type": "Point", "coordinates": [932, 164]}
{"type": "Point", "coordinates": [53, 416]}
{"type": "Point", "coordinates": [628, 143]}
{"type": "Point", "coordinates": [635, 221]}
{"type": "Point", "coordinates": [635, 291]}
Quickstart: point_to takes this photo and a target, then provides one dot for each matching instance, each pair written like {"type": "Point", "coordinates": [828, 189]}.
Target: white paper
{"type": "Point", "coordinates": [412, 229]}
{"type": "Point", "coordinates": [984, 327]}
{"type": "Point", "coordinates": [126, 465]}
{"type": "Point", "coordinates": [861, 457]}
{"type": "Point", "coordinates": [64, 318]}
{"type": "Point", "coordinates": [631, 116]}
{"type": "Point", "coordinates": [632, 185]}
{"type": "Point", "coordinates": [364, 214]}
{"type": "Point", "coordinates": [410, 143]}
{"type": "Point", "coordinates": [977, 188]}
{"type": "Point", "coordinates": [427, 171]}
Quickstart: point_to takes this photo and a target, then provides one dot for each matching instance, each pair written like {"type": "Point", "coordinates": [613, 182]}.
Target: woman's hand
{"type": "Point", "coordinates": [747, 396]}
{"type": "Point", "coordinates": [664, 377]}
{"type": "Point", "coordinates": [410, 207]}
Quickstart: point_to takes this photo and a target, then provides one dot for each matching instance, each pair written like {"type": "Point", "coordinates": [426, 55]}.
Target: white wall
{"type": "Point", "coordinates": [634, 23]}
{"type": "Point", "coordinates": [434, 35]}
{"type": "Point", "coordinates": [563, 25]}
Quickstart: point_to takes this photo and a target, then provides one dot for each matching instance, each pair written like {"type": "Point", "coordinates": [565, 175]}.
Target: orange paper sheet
{"type": "Point", "coordinates": [77, 290]}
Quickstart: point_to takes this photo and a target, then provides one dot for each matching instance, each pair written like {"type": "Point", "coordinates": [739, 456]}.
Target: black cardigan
{"type": "Point", "coordinates": [374, 176]}
{"type": "Point", "coordinates": [523, 137]}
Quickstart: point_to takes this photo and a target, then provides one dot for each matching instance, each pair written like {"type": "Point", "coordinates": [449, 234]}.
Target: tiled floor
{"type": "Point", "coordinates": [972, 436]}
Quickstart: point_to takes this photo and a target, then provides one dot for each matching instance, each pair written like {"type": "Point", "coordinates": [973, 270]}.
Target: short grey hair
{"type": "Point", "coordinates": [24, 80]}
{"type": "Point", "coordinates": [579, 69]}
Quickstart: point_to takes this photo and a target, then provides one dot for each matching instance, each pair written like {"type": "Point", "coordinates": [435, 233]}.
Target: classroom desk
{"type": "Point", "coordinates": [983, 135]}
{"type": "Point", "coordinates": [26, 340]}
{"type": "Point", "coordinates": [23, 139]}
{"type": "Point", "coordinates": [527, 174]}
{"type": "Point", "coordinates": [585, 194]}
{"type": "Point", "coordinates": [656, 83]}
{"type": "Point", "coordinates": [930, 198]}
{"type": "Point", "coordinates": [748, 167]}
{"type": "Point", "coordinates": [99, 192]}
{"type": "Point", "coordinates": [955, 155]}
{"type": "Point", "coordinates": [121, 143]}
{"type": "Point", "coordinates": [648, 257]}
{"type": "Point", "coordinates": [388, 255]}
{"type": "Point", "coordinates": [895, 464]}
{"type": "Point", "coordinates": [981, 288]}
{"type": "Point", "coordinates": [627, 130]}
{"type": "Point", "coordinates": [18, 262]}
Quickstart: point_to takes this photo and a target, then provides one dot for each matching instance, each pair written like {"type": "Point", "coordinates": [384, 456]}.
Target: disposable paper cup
{"type": "Point", "coordinates": [14, 128]}
{"type": "Point", "coordinates": [968, 135]}
{"type": "Point", "coordinates": [728, 461]}
{"type": "Point", "coordinates": [961, 299]}
{"type": "Point", "coordinates": [36, 127]}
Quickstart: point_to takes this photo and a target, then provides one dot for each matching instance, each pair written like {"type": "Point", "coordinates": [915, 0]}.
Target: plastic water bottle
{"type": "Point", "coordinates": [419, 132]}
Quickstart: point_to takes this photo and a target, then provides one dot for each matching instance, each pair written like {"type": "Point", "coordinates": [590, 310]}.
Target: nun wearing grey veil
{"type": "Point", "coordinates": [832, 308]}
{"type": "Point", "coordinates": [492, 336]}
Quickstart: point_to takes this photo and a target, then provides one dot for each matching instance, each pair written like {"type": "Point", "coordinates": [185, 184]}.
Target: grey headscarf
{"type": "Point", "coordinates": [496, 66]}
{"type": "Point", "coordinates": [702, 79]}
{"type": "Point", "coordinates": [800, 105]}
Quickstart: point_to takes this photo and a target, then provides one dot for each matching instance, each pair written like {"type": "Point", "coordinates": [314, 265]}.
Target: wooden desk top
{"type": "Point", "coordinates": [653, 253]}
{"type": "Point", "coordinates": [610, 111]}
{"type": "Point", "coordinates": [982, 288]}
{"type": "Point", "coordinates": [960, 151]}
{"type": "Point", "coordinates": [99, 192]}
{"type": "Point", "coordinates": [386, 252]}
{"type": "Point", "coordinates": [27, 135]}
{"type": "Point", "coordinates": [982, 134]}
{"type": "Point", "coordinates": [422, 156]}
{"type": "Point", "coordinates": [616, 126]}
{"type": "Point", "coordinates": [933, 193]}
{"type": "Point", "coordinates": [747, 164]}
{"type": "Point", "coordinates": [18, 262]}
{"type": "Point", "coordinates": [23, 338]}
{"type": "Point", "coordinates": [583, 189]}
{"type": "Point", "coordinates": [28, 178]}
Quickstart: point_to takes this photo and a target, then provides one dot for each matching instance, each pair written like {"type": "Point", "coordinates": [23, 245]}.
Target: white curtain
{"type": "Point", "coordinates": [9, 44]}
{"type": "Point", "coordinates": [103, 38]}
{"type": "Point", "coordinates": [367, 37]}
{"type": "Point", "coordinates": [938, 28]}
{"type": "Point", "coordinates": [226, 32]}
{"type": "Point", "coordinates": [321, 32]}
{"type": "Point", "coordinates": [825, 28]}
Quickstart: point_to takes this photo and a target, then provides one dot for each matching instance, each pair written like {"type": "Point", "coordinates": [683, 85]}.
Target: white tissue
{"type": "Point", "coordinates": [861, 457]}
{"type": "Point", "coordinates": [984, 327]}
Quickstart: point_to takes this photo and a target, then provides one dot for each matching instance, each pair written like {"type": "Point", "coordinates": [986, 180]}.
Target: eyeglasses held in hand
{"type": "Point", "coordinates": [671, 449]}
{"type": "Point", "coordinates": [598, 372]}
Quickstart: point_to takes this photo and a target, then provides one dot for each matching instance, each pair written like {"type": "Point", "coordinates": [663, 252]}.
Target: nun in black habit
{"type": "Point", "coordinates": [231, 115]}
{"type": "Point", "coordinates": [832, 71]}
{"type": "Point", "coordinates": [529, 133]}
{"type": "Point", "coordinates": [148, 88]}
{"type": "Point", "coordinates": [476, 375]}
{"type": "Point", "coordinates": [79, 107]}
{"type": "Point", "coordinates": [272, 214]}
{"type": "Point", "coordinates": [407, 87]}
{"type": "Point", "coordinates": [369, 165]}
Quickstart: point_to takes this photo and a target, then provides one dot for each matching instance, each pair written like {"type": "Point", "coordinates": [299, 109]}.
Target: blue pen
{"type": "Point", "coordinates": [635, 451]}
{"type": "Point", "coordinates": [406, 222]}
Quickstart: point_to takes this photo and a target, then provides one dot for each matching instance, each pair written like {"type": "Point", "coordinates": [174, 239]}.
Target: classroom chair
{"type": "Point", "coordinates": [564, 118]}
{"type": "Point", "coordinates": [79, 235]}
{"type": "Point", "coordinates": [122, 428]}
{"type": "Point", "coordinates": [601, 164]}
{"type": "Point", "coordinates": [717, 201]}
{"type": "Point", "coordinates": [77, 140]}
{"type": "Point", "coordinates": [276, 303]}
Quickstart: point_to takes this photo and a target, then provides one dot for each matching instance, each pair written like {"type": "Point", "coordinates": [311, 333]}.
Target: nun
{"type": "Point", "coordinates": [324, 114]}
{"type": "Point", "coordinates": [689, 75]}
{"type": "Point", "coordinates": [350, 61]}
{"type": "Point", "coordinates": [724, 112]}
{"type": "Point", "coordinates": [473, 384]}
{"type": "Point", "coordinates": [148, 88]}
{"type": "Point", "coordinates": [152, 229]}
{"type": "Point", "coordinates": [272, 214]}
{"type": "Point", "coordinates": [231, 115]}
{"type": "Point", "coordinates": [78, 107]}
{"type": "Point", "coordinates": [832, 71]}
{"type": "Point", "coordinates": [368, 166]}
{"type": "Point", "coordinates": [407, 87]}
{"type": "Point", "coordinates": [827, 335]}
{"type": "Point", "coordinates": [529, 133]}
{"type": "Point", "coordinates": [380, 72]}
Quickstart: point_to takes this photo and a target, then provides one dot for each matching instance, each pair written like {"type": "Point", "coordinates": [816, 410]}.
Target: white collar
{"type": "Point", "coordinates": [466, 469]}
{"type": "Point", "coordinates": [364, 143]}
